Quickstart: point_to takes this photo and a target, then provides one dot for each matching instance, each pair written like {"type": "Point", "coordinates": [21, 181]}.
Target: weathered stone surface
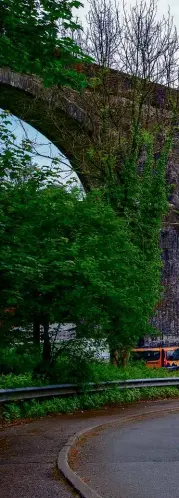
{"type": "Point", "coordinates": [167, 316]}
{"type": "Point", "coordinates": [70, 121]}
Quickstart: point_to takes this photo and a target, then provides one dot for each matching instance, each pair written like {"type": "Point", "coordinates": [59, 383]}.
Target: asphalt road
{"type": "Point", "coordinates": [133, 460]}
{"type": "Point", "coordinates": [28, 453]}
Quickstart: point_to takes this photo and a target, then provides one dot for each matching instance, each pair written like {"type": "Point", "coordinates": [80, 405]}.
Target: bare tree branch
{"type": "Point", "coordinates": [149, 47]}
{"type": "Point", "coordinates": [103, 34]}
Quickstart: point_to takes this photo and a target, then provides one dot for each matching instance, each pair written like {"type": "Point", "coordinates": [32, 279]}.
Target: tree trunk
{"type": "Point", "coordinates": [119, 357]}
{"type": "Point", "coordinates": [114, 357]}
{"type": "Point", "coordinates": [47, 345]}
{"type": "Point", "coordinates": [124, 357]}
{"type": "Point", "coordinates": [36, 332]}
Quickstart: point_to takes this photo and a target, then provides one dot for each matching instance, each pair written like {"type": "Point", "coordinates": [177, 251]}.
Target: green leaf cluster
{"type": "Point", "coordinates": [68, 258]}
{"type": "Point", "coordinates": [30, 40]}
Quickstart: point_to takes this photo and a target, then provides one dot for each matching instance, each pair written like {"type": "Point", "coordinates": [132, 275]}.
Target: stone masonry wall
{"type": "Point", "coordinates": [167, 316]}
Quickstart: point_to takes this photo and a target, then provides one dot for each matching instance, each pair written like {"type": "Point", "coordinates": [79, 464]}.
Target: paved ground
{"type": "Point", "coordinates": [29, 451]}
{"type": "Point", "coordinates": [133, 460]}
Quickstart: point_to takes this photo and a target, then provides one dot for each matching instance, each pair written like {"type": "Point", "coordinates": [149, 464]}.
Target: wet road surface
{"type": "Point", "coordinates": [137, 459]}
{"type": "Point", "coordinates": [28, 452]}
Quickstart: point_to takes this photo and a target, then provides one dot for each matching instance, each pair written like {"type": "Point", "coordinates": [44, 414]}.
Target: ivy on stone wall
{"type": "Point", "coordinates": [139, 196]}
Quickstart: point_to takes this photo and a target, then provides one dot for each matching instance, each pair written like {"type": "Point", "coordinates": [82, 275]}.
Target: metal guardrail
{"type": "Point", "coordinates": [72, 389]}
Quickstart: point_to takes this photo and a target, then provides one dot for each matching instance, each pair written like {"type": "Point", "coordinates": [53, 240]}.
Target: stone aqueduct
{"type": "Point", "coordinates": [60, 115]}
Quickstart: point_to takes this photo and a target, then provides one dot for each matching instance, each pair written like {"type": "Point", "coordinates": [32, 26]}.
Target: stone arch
{"type": "Point", "coordinates": [56, 113]}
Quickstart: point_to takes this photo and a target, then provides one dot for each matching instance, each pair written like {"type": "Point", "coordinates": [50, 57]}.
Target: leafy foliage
{"type": "Point", "coordinates": [30, 41]}
{"type": "Point", "coordinates": [94, 260]}
{"type": "Point", "coordinates": [97, 372]}
{"type": "Point", "coordinates": [30, 409]}
{"type": "Point", "coordinates": [72, 261]}
{"type": "Point", "coordinates": [139, 198]}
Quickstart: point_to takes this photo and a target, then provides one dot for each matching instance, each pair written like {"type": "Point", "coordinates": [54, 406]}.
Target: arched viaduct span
{"type": "Point", "coordinates": [70, 122]}
{"type": "Point", "coordinates": [56, 113]}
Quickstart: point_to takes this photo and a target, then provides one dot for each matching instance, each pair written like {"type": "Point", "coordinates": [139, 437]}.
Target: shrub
{"type": "Point", "coordinates": [88, 401]}
{"type": "Point", "coordinates": [18, 359]}
{"type": "Point", "coordinates": [81, 371]}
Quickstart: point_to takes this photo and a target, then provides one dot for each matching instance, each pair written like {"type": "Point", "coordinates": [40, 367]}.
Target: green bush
{"type": "Point", "coordinates": [12, 381]}
{"type": "Point", "coordinates": [81, 371]}
{"type": "Point", "coordinates": [20, 359]}
{"type": "Point", "coordinates": [102, 371]}
{"type": "Point", "coordinates": [12, 412]}
{"type": "Point", "coordinates": [34, 408]}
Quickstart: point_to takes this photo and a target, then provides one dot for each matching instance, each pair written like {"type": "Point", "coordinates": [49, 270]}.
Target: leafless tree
{"type": "Point", "coordinates": [102, 36]}
{"type": "Point", "coordinates": [140, 44]}
{"type": "Point", "coordinates": [149, 46]}
{"type": "Point", "coordinates": [135, 41]}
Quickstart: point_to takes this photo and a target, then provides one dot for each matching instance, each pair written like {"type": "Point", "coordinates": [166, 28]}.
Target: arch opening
{"type": "Point", "coordinates": [43, 152]}
{"type": "Point", "coordinates": [53, 112]}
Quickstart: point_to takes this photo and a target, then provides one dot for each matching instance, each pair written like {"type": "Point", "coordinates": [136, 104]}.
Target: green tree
{"type": "Point", "coordinates": [91, 260]}
{"type": "Point", "coordinates": [31, 243]}
{"type": "Point", "coordinates": [30, 40]}
{"type": "Point", "coordinates": [121, 278]}
{"type": "Point", "coordinates": [72, 260]}
{"type": "Point", "coordinates": [68, 258]}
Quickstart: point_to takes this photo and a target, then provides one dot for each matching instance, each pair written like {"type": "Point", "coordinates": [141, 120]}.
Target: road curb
{"type": "Point", "coordinates": [80, 486]}
{"type": "Point", "coordinates": [62, 463]}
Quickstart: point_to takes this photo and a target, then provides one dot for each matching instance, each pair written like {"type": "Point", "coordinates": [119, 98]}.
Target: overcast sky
{"type": "Point", "coordinates": [162, 8]}
{"type": "Point", "coordinates": [81, 13]}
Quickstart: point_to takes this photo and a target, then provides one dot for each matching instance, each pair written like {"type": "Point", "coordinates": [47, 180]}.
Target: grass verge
{"type": "Point", "coordinates": [97, 372]}
{"type": "Point", "coordinates": [34, 408]}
